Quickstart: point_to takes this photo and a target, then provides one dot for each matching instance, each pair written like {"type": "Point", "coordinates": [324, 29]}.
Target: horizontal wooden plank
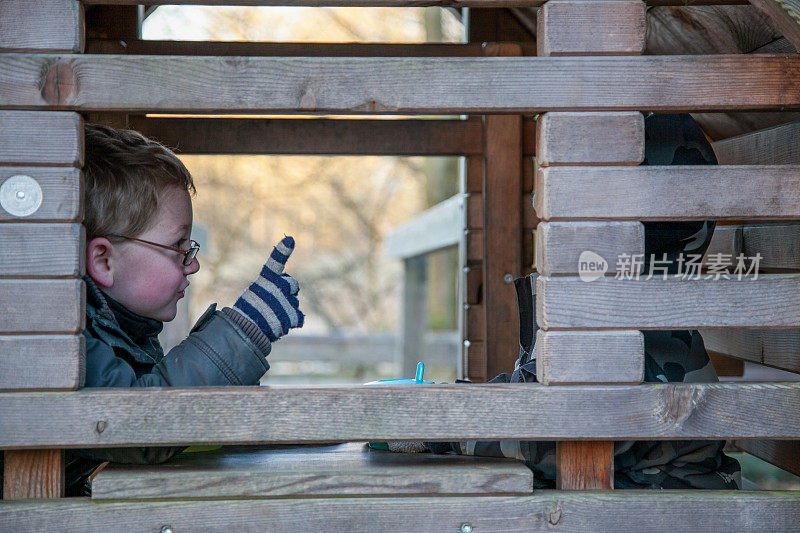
{"type": "Point", "coordinates": [42, 306]}
{"type": "Point", "coordinates": [180, 84]}
{"type": "Point", "coordinates": [42, 362]}
{"type": "Point", "coordinates": [252, 415]}
{"type": "Point", "coordinates": [42, 250]}
{"type": "Point", "coordinates": [587, 27]}
{"type": "Point", "coordinates": [669, 193]}
{"type": "Point", "coordinates": [779, 145]}
{"type": "Point", "coordinates": [771, 301]}
{"type": "Point", "coordinates": [573, 247]}
{"type": "Point", "coordinates": [775, 348]}
{"type": "Point", "coordinates": [570, 138]}
{"type": "Point", "coordinates": [435, 228]}
{"type": "Point", "coordinates": [650, 510]}
{"type": "Point", "coordinates": [341, 470]}
{"type": "Point", "coordinates": [62, 194]}
{"type": "Point", "coordinates": [314, 136]}
{"type": "Point", "coordinates": [781, 453]}
{"type": "Point", "coordinates": [384, 3]}
{"type": "Point", "coordinates": [32, 25]}
{"type": "Point", "coordinates": [41, 138]}
{"type": "Point", "coordinates": [569, 358]}
{"type": "Point", "coordinates": [778, 244]}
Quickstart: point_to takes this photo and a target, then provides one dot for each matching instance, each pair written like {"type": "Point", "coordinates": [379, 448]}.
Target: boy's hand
{"type": "Point", "coordinates": [271, 301]}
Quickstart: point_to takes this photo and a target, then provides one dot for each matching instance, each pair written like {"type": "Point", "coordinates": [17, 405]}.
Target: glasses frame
{"type": "Point", "coordinates": [188, 255]}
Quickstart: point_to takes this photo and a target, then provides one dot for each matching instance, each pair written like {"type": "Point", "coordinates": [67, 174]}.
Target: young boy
{"type": "Point", "coordinates": [139, 256]}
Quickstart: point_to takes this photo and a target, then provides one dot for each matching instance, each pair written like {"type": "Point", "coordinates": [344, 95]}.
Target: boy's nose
{"type": "Point", "coordinates": [192, 267]}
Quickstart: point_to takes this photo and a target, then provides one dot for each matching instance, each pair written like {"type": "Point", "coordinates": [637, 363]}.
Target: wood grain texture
{"type": "Point", "coordinates": [41, 138]}
{"type": "Point", "coordinates": [779, 145]}
{"type": "Point", "coordinates": [42, 362]}
{"type": "Point", "coordinates": [62, 194]}
{"type": "Point", "coordinates": [252, 415]}
{"type": "Point", "coordinates": [590, 139]}
{"type": "Point", "coordinates": [35, 26]}
{"type": "Point", "coordinates": [785, 15]}
{"type": "Point", "coordinates": [559, 245]}
{"type": "Point", "coordinates": [784, 454]}
{"type": "Point", "coordinates": [33, 474]}
{"type": "Point", "coordinates": [315, 137]}
{"type": "Point", "coordinates": [778, 244]}
{"type": "Point", "coordinates": [385, 3]}
{"type": "Point", "coordinates": [42, 306]}
{"type": "Point", "coordinates": [398, 85]}
{"type": "Point", "coordinates": [341, 470]}
{"type": "Point", "coordinates": [588, 27]}
{"type": "Point", "coordinates": [585, 465]}
{"type": "Point", "coordinates": [775, 348]}
{"type": "Point", "coordinates": [42, 250]}
{"type": "Point", "coordinates": [630, 510]}
{"type": "Point", "coordinates": [475, 358]}
{"type": "Point", "coordinates": [771, 301]}
{"type": "Point", "coordinates": [669, 193]}
{"type": "Point", "coordinates": [585, 357]}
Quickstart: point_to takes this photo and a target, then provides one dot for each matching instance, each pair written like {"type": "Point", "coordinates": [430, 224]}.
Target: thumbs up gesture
{"type": "Point", "coordinates": [271, 300]}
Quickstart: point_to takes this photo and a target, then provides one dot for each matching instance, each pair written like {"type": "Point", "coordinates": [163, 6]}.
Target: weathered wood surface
{"type": "Point", "coordinates": [33, 474]}
{"type": "Point", "coordinates": [62, 194]}
{"type": "Point", "coordinates": [584, 357]}
{"type": "Point", "coordinates": [769, 302]}
{"type": "Point", "coordinates": [726, 366]}
{"type": "Point", "coordinates": [785, 15]}
{"type": "Point", "coordinates": [398, 85]}
{"type": "Point", "coordinates": [41, 137]}
{"type": "Point", "coordinates": [560, 245]}
{"type": "Point", "coordinates": [630, 510]}
{"type": "Point", "coordinates": [42, 250]}
{"type": "Point", "coordinates": [382, 3]}
{"type": "Point", "coordinates": [587, 27]}
{"type": "Point", "coordinates": [585, 465]}
{"type": "Point", "coordinates": [775, 348]}
{"type": "Point", "coordinates": [778, 244]}
{"type": "Point", "coordinates": [42, 306]}
{"type": "Point", "coordinates": [252, 415]}
{"type": "Point", "coordinates": [590, 139]}
{"type": "Point", "coordinates": [435, 228]}
{"type": "Point", "coordinates": [784, 454]}
{"type": "Point", "coordinates": [779, 145]}
{"type": "Point", "coordinates": [340, 470]}
{"type": "Point", "coordinates": [669, 193]}
{"type": "Point", "coordinates": [314, 137]}
{"type": "Point", "coordinates": [41, 362]}
{"type": "Point", "coordinates": [31, 25]}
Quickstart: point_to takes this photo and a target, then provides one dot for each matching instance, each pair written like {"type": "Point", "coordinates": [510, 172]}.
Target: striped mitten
{"type": "Point", "coordinates": [271, 301]}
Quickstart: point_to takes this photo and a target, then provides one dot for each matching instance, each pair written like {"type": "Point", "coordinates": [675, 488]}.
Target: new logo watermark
{"type": "Point", "coordinates": [592, 266]}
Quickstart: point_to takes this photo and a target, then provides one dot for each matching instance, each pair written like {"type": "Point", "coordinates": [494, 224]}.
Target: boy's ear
{"type": "Point", "coordinates": [99, 261]}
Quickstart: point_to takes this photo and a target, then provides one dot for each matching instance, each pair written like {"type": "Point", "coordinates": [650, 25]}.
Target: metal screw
{"type": "Point", "coordinates": [21, 195]}
{"type": "Point", "coordinates": [466, 527]}
{"type": "Point", "coordinates": [508, 278]}
{"type": "Point", "coordinates": [166, 529]}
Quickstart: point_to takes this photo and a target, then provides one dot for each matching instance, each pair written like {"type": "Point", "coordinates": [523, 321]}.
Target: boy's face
{"type": "Point", "coordinates": [147, 279]}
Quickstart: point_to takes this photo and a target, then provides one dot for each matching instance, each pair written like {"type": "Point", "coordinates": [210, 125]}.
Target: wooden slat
{"type": "Point", "coordinates": [779, 145]}
{"type": "Point", "coordinates": [251, 415]}
{"type": "Point", "coordinates": [41, 138]}
{"type": "Point", "coordinates": [783, 454]}
{"type": "Point", "coordinates": [587, 27]}
{"type": "Point", "coordinates": [474, 201]}
{"type": "Point", "coordinates": [42, 306]}
{"type": "Point", "coordinates": [775, 348]}
{"type": "Point", "coordinates": [62, 194]}
{"type": "Point", "coordinates": [528, 85]}
{"type": "Point", "coordinates": [42, 250]}
{"type": "Point", "coordinates": [475, 357]}
{"type": "Point", "coordinates": [771, 301]}
{"type": "Point", "coordinates": [590, 139]}
{"type": "Point", "coordinates": [785, 15]}
{"type": "Point", "coordinates": [35, 26]}
{"type": "Point", "coordinates": [343, 470]}
{"type": "Point", "coordinates": [384, 3]}
{"type": "Point", "coordinates": [435, 228]}
{"type": "Point", "coordinates": [560, 245]}
{"type": "Point", "coordinates": [630, 510]}
{"type": "Point", "coordinates": [33, 474]}
{"type": "Point", "coordinates": [570, 358]}
{"type": "Point", "coordinates": [778, 245]}
{"type": "Point", "coordinates": [315, 136]}
{"type": "Point", "coordinates": [669, 193]}
{"type": "Point", "coordinates": [585, 465]}
{"type": "Point", "coordinates": [42, 362]}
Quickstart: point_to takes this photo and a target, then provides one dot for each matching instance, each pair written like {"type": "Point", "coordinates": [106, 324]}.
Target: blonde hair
{"type": "Point", "coordinates": [124, 176]}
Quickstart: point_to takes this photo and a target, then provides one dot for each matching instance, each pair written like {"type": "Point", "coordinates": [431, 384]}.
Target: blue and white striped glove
{"type": "Point", "coordinates": [271, 301]}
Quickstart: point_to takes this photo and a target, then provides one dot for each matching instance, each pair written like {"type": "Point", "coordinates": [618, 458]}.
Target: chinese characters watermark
{"type": "Point", "coordinates": [716, 266]}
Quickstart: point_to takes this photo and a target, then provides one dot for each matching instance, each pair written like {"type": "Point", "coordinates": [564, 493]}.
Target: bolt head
{"type": "Point", "coordinates": [466, 528]}
{"type": "Point", "coordinates": [508, 278]}
{"type": "Point", "coordinates": [166, 529]}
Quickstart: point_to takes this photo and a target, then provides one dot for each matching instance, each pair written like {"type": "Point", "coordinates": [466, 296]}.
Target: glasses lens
{"type": "Point", "coordinates": [190, 255]}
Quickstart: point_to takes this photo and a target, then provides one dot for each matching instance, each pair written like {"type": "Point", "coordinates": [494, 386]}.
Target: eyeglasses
{"type": "Point", "coordinates": [188, 255]}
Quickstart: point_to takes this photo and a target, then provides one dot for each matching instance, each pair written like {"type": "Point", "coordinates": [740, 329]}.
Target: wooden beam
{"type": "Point", "coordinates": [42, 250]}
{"type": "Point", "coordinates": [244, 415]}
{"type": "Point", "coordinates": [590, 139]}
{"type": "Point", "coordinates": [669, 193]}
{"type": "Point", "coordinates": [41, 137]}
{"type": "Point", "coordinates": [33, 474]}
{"type": "Point", "coordinates": [783, 454]}
{"type": "Point", "coordinates": [56, 26]}
{"type": "Point", "coordinates": [398, 85]}
{"type": "Point", "coordinates": [585, 465]}
{"type": "Point", "coordinates": [45, 306]}
{"type": "Point", "coordinates": [775, 348]}
{"type": "Point", "coordinates": [50, 362]}
{"type": "Point", "coordinates": [61, 198]}
{"type": "Point", "coordinates": [769, 302]}
{"type": "Point", "coordinates": [785, 14]}
{"type": "Point", "coordinates": [779, 145]}
{"type": "Point", "coordinates": [384, 3]}
{"type": "Point", "coordinates": [314, 136]}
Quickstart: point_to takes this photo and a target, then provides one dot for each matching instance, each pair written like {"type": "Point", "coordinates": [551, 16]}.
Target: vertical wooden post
{"type": "Point", "coordinates": [584, 27]}
{"type": "Point", "coordinates": [415, 313]}
{"type": "Point", "coordinates": [33, 474]}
